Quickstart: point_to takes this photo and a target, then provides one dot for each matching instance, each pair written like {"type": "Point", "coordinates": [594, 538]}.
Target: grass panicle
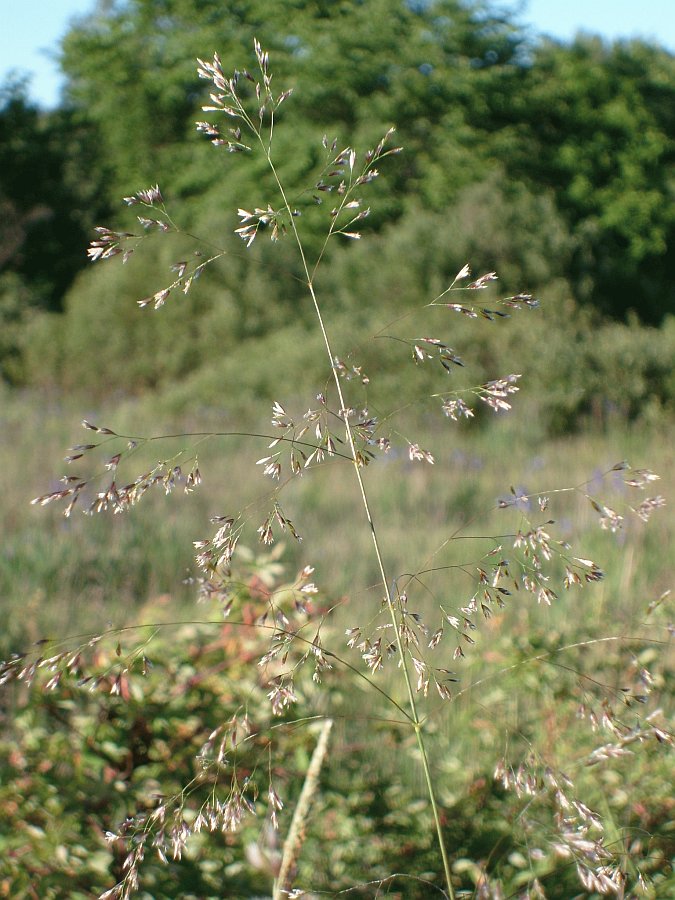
{"type": "Point", "coordinates": [414, 632]}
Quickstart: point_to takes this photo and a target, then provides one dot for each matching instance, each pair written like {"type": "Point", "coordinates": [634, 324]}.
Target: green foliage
{"type": "Point", "coordinates": [74, 763]}
{"type": "Point", "coordinates": [102, 338]}
{"type": "Point", "coordinates": [15, 305]}
{"type": "Point", "coordinates": [559, 157]}
{"type": "Point", "coordinates": [607, 373]}
{"type": "Point", "coordinates": [586, 125]}
{"type": "Point", "coordinates": [594, 121]}
{"type": "Point", "coordinates": [46, 207]}
{"type": "Point", "coordinates": [582, 369]}
{"type": "Point", "coordinates": [126, 729]}
{"type": "Point", "coordinates": [81, 761]}
{"type": "Point", "coordinates": [355, 67]}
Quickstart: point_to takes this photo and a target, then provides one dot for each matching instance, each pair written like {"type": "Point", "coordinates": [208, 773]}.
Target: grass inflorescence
{"type": "Point", "coordinates": [432, 607]}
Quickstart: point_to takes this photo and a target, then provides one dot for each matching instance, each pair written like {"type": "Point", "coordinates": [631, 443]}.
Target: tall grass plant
{"type": "Point", "coordinates": [432, 621]}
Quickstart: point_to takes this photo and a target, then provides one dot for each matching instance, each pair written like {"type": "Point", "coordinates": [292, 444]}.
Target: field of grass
{"type": "Point", "coordinates": [532, 671]}
{"type": "Point", "coordinates": [71, 572]}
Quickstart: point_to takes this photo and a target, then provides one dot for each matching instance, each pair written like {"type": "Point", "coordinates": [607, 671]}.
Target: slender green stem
{"type": "Point", "coordinates": [417, 722]}
{"type": "Point", "coordinates": [434, 806]}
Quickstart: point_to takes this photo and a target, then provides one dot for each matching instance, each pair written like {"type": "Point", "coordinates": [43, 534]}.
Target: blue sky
{"type": "Point", "coordinates": [31, 30]}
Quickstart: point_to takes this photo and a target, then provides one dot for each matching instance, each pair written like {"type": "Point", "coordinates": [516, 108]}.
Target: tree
{"type": "Point", "coordinates": [358, 67]}
{"type": "Point", "coordinates": [594, 121]}
{"type": "Point", "coordinates": [46, 204]}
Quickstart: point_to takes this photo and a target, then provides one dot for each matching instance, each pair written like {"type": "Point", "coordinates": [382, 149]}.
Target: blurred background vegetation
{"type": "Point", "coordinates": [550, 163]}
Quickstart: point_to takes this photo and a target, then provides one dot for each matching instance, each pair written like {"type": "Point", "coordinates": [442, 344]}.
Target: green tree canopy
{"type": "Point", "coordinates": [596, 123]}
{"type": "Point", "coordinates": [589, 123]}
{"type": "Point", "coordinates": [357, 68]}
{"type": "Point", "coordinates": [46, 207]}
